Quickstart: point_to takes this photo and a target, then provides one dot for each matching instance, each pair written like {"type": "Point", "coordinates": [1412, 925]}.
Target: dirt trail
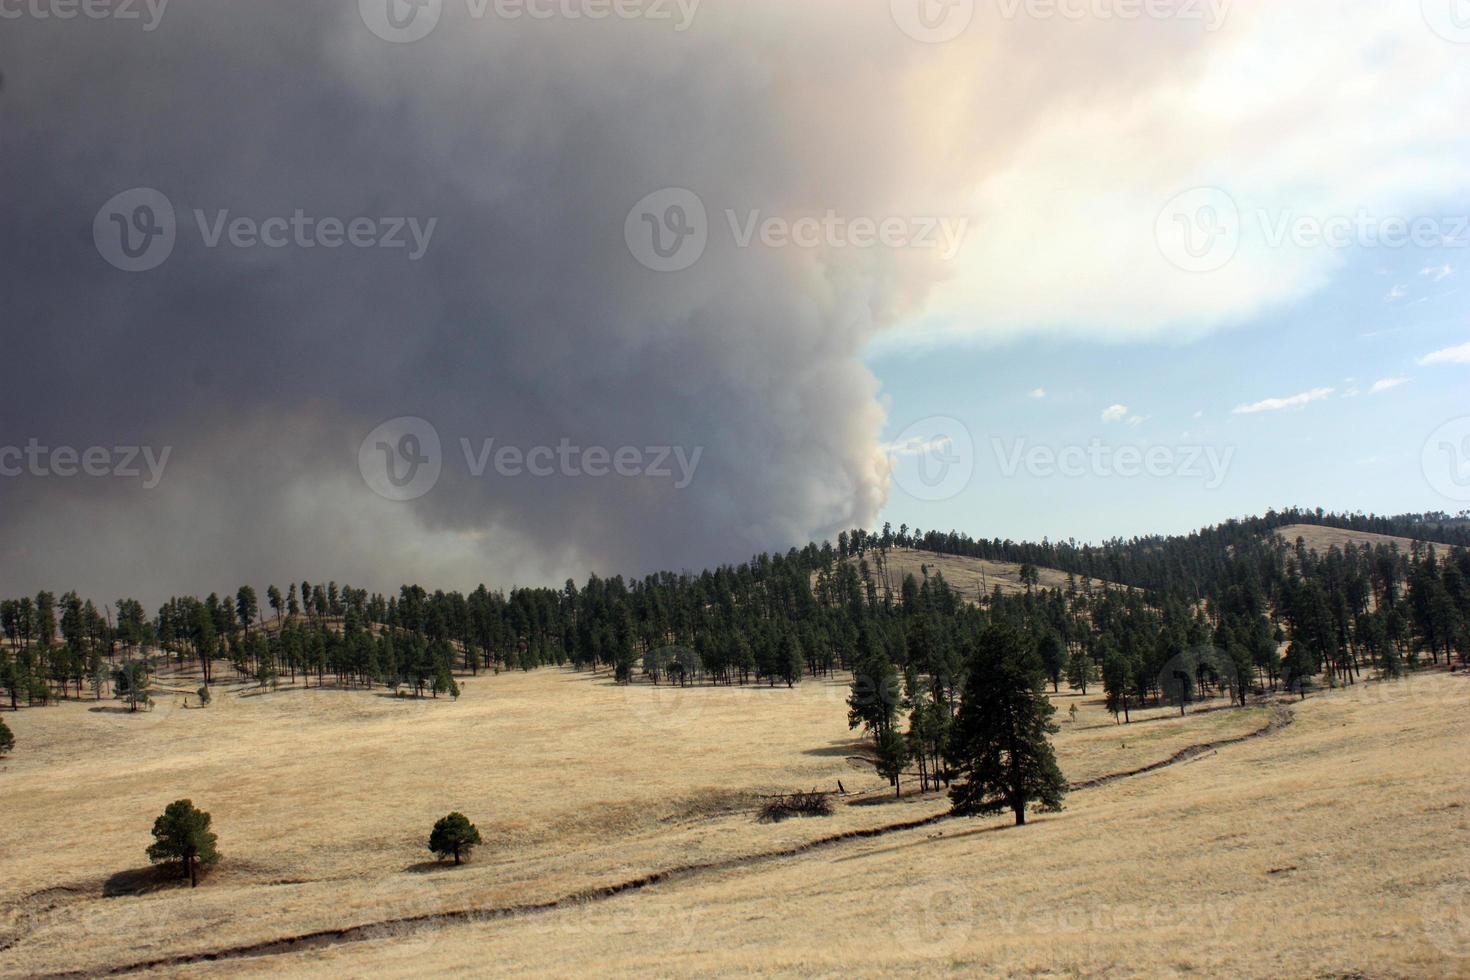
{"type": "Point", "coordinates": [1282, 716]}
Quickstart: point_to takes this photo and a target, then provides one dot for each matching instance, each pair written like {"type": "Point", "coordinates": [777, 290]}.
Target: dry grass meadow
{"type": "Point", "coordinates": [970, 577]}
{"type": "Point", "coordinates": [1324, 539]}
{"type": "Point", "coordinates": [1337, 845]}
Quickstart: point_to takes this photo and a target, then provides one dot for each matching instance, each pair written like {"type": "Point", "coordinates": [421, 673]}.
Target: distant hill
{"type": "Point", "coordinates": [1323, 539]}
{"type": "Point", "coordinates": [968, 576]}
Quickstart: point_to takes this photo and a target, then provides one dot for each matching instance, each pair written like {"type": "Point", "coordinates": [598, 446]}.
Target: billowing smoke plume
{"type": "Point", "coordinates": [527, 318]}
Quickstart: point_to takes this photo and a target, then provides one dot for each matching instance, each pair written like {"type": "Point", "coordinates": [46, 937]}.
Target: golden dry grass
{"type": "Point", "coordinates": [970, 577]}
{"type": "Point", "coordinates": [1324, 539]}
{"type": "Point", "coordinates": [322, 800]}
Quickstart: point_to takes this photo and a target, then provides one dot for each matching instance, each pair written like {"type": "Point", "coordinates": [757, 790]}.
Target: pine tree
{"type": "Point", "coordinates": [1053, 658]}
{"type": "Point", "coordinates": [1000, 748]}
{"type": "Point", "coordinates": [7, 738]}
{"type": "Point", "coordinates": [182, 834]}
{"type": "Point", "coordinates": [1081, 671]}
{"type": "Point", "coordinates": [893, 755]}
{"type": "Point", "coordinates": [453, 835]}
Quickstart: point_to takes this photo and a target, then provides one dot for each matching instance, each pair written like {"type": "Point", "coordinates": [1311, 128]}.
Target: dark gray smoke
{"type": "Point", "coordinates": [527, 319]}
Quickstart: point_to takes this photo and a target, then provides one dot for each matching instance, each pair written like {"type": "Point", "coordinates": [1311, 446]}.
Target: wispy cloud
{"type": "Point", "coordinates": [1396, 293]}
{"type": "Point", "coordinates": [1115, 413]}
{"type": "Point", "coordinates": [1292, 401]}
{"type": "Point", "coordinates": [1450, 355]}
{"type": "Point", "coordinates": [1387, 383]}
{"type": "Point", "coordinates": [1438, 273]}
{"type": "Point", "coordinates": [1038, 393]}
{"type": "Point", "coordinates": [918, 447]}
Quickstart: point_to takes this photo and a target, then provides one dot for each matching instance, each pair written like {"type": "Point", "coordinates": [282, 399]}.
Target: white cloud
{"type": "Point", "coordinates": [1292, 401]}
{"type": "Point", "coordinates": [1450, 355]}
{"type": "Point", "coordinates": [1038, 393]}
{"type": "Point", "coordinates": [1438, 272]}
{"type": "Point", "coordinates": [918, 447]}
{"type": "Point", "coordinates": [1200, 414]}
{"type": "Point", "coordinates": [1386, 384]}
{"type": "Point", "coordinates": [1396, 293]}
{"type": "Point", "coordinates": [1115, 413]}
{"type": "Point", "coordinates": [1069, 239]}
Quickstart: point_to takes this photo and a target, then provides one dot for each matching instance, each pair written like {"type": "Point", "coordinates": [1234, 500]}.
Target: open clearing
{"type": "Point", "coordinates": [1324, 539]}
{"type": "Point", "coordinates": [970, 577]}
{"type": "Point", "coordinates": [1339, 844]}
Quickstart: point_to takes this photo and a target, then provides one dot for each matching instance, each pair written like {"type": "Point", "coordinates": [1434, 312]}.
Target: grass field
{"type": "Point", "coordinates": [1324, 539]}
{"type": "Point", "coordinates": [971, 577]}
{"type": "Point", "coordinates": [1321, 848]}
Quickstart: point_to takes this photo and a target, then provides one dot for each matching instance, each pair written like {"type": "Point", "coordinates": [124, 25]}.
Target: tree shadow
{"type": "Point", "coordinates": [842, 748]}
{"type": "Point", "coordinates": [112, 710]}
{"type": "Point", "coordinates": [143, 881]}
{"type": "Point", "coordinates": [429, 867]}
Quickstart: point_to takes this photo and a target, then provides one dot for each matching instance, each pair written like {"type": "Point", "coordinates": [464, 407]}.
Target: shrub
{"type": "Point", "coordinates": [811, 804]}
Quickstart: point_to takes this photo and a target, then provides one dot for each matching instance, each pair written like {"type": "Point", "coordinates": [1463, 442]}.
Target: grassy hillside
{"type": "Point", "coordinates": [323, 799]}
{"type": "Point", "coordinates": [1324, 539]}
{"type": "Point", "coordinates": [968, 576]}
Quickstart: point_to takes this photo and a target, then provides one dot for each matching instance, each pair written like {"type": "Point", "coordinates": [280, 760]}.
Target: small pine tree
{"type": "Point", "coordinates": [453, 835]}
{"type": "Point", "coordinates": [893, 755]}
{"type": "Point", "coordinates": [793, 662]}
{"type": "Point", "coordinates": [1081, 671]}
{"type": "Point", "coordinates": [7, 738]}
{"type": "Point", "coordinates": [182, 834]}
{"type": "Point", "coordinates": [1054, 658]}
{"type": "Point", "coordinates": [1000, 747]}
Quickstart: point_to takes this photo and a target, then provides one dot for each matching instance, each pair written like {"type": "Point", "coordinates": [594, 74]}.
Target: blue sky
{"type": "Point", "coordinates": [1351, 450]}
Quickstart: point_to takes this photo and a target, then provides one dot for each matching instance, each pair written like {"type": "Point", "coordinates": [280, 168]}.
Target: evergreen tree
{"type": "Point", "coordinates": [7, 738]}
{"type": "Point", "coordinates": [453, 835]}
{"type": "Point", "coordinates": [1080, 670]}
{"type": "Point", "coordinates": [1000, 748]}
{"type": "Point", "coordinates": [182, 834]}
{"type": "Point", "coordinates": [893, 755]}
{"type": "Point", "coordinates": [1053, 658]}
